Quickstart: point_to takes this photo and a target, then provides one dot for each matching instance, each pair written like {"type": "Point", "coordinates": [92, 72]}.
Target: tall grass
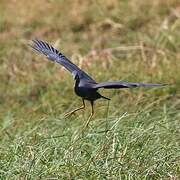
{"type": "Point", "coordinates": [135, 136]}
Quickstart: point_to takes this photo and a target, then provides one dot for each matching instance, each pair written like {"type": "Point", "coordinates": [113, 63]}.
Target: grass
{"type": "Point", "coordinates": [135, 136]}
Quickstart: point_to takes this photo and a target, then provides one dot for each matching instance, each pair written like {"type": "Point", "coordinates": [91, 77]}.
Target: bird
{"type": "Point", "coordinates": [85, 86]}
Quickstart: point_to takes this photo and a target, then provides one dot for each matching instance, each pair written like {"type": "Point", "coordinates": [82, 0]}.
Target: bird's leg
{"type": "Point", "coordinates": [92, 113]}
{"type": "Point", "coordinates": [77, 109]}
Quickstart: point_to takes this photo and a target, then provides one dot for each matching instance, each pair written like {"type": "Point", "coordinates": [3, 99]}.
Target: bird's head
{"type": "Point", "coordinates": [75, 75]}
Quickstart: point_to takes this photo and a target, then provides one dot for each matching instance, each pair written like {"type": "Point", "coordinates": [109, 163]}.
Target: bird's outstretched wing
{"type": "Point", "coordinates": [54, 55]}
{"type": "Point", "coordinates": [122, 84]}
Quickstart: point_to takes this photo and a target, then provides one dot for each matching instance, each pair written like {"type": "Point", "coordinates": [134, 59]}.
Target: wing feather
{"type": "Point", "coordinates": [122, 84]}
{"type": "Point", "coordinates": [54, 55]}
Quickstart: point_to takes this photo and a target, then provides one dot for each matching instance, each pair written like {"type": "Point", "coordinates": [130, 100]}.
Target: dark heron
{"type": "Point", "coordinates": [85, 86]}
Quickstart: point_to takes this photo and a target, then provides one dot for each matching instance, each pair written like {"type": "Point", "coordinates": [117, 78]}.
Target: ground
{"type": "Point", "coordinates": [135, 135]}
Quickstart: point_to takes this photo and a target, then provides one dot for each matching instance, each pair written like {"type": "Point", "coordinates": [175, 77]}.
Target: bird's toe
{"type": "Point", "coordinates": [69, 114]}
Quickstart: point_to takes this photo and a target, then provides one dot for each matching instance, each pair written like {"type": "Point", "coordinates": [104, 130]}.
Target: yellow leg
{"type": "Point", "coordinates": [77, 109]}
{"type": "Point", "coordinates": [92, 113]}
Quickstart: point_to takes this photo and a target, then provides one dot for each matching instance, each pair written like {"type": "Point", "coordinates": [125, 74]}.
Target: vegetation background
{"type": "Point", "coordinates": [136, 135]}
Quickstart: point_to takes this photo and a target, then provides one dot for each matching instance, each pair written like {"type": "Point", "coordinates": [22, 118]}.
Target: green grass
{"type": "Point", "coordinates": [135, 136]}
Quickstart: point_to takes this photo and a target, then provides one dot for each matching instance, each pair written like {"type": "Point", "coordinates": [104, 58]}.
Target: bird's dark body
{"type": "Point", "coordinates": [87, 93]}
{"type": "Point", "coordinates": [85, 86]}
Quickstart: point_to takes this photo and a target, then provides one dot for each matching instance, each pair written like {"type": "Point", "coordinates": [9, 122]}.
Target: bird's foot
{"type": "Point", "coordinates": [88, 121]}
{"type": "Point", "coordinates": [86, 125]}
{"type": "Point", "coordinates": [69, 114]}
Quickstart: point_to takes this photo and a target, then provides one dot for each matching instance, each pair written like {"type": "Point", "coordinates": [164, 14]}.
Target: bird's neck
{"type": "Point", "coordinates": [77, 82]}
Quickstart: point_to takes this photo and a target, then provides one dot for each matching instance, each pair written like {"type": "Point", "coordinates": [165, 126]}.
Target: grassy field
{"type": "Point", "coordinates": [136, 135]}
